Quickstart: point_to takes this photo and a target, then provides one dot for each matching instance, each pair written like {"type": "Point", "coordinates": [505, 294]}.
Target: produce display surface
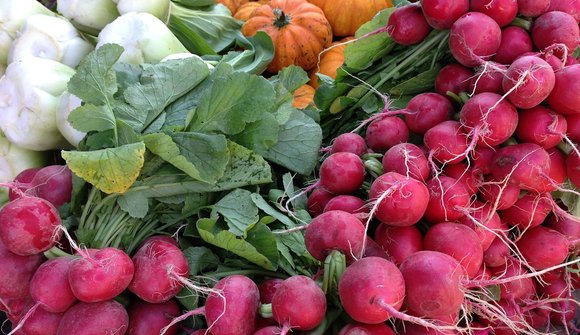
{"type": "Point", "coordinates": [237, 167]}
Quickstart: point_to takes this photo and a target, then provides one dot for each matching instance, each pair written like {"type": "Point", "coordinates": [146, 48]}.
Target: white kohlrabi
{"type": "Point", "coordinates": [145, 38]}
{"type": "Point", "coordinates": [30, 92]}
{"type": "Point", "coordinates": [68, 102]}
{"type": "Point", "coordinates": [159, 8]}
{"type": "Point", "coordinates": [88, 15]}
{"type": "Point", "coordinates": [13, 14]}
{"type": "Point", "coordinates": [51, 37]}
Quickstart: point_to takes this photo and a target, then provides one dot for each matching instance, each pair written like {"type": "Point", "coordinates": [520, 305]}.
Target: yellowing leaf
{"type": "Point", "coordinates": [111, 170]}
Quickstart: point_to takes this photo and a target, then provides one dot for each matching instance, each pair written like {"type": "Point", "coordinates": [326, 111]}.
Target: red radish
{"type": "Point", "coordinates": [488, 78]}
{"type": "Point", "coordinates": [515, 41]}
{"type": "Point", "coordinates": [525, 165]}
{"type": "Point", "coordinates": [367, 286]}
{"type": "Point", "coordinates": [347, 203]}
{"type": "Point", "coordinates": [148, 319]}
{"type": "Point", "coordinates": [481, 159]}
{"type": "Point", "coordinates": [383, 133]}
{"type": "Point", "coordinates": [498, 195]}
{"type": "Point", "coordinates": [568, 225]}
{"type": "Point", "coordinates": [101, 274]}
{"type": "Point", "coordinates": [484, 221]}
{"type": "Point", "coordinates": [53, 183]}
{"type": "Point", "coordinates": [533, 8]}
{"type": "Point", "coordinates": [357, 328]}
{"type": "Point", "coordinates": [400, 200]}
{"type": "Point", "coordinates": [498, 252]}
{"type": "Point", "coordinates": [40, 322]}
{"type": "Point", "coordinates": [448, 199]}
{"type": "Point", "coordinates": [565, 312]}
{"type": "Point", "coordinates": [489, 118]}
{"type": "Point", "coordinates": [415, 329]}
{"type": "Point", "coordinates": [335, 230]}
{"type": "Point", "coordinates": [454, 78]}
{"type": "Point", "coordinates": [573, 130]}
{"type": "Point", "coordinates": [474, 38]}
{"type": "Point", "coordinates": [529, 211]}
{"type": "Point", "coordinates": [29, 225]}
{"type": "Point", "coordinates": [543, 247]}
{"type": "Point", "coordinates": [317, 200]}
{"type": "Point", "coordinates": [565, 96]}
{"type": "Point", "coordinates": [407, 25]}
{"type": "Point", "coordinates": [557, 288]}
{"type": "Point", "coordinates": [571, 7]}
{"type": "Point", "coordinates": [441, 14]}
{"type": "Point", "coordinates": [457, 241]}
{"type": "Point", "coordinates": [502, 11]}
{"type": "Point", "coordinates": [349, 142]}
{"type": "Point", "coordinates": [463, 174]}
{"type": "Point", "coordinates": [98, 318]}
{"type": "Point", "coordinates": [269, 330]}
{"type": "Point", "coordinates": [556, 27]}
{"type": "Point", "coordinates": [428, 109]}
{"type": "Point", "coordinates": [433, 283]}
{"type": "Point", "coordinates": [49, 286]}
{"type": "Point", "coordinates": [399, 242]}
{"type": "Point", "coordinates": [542, 126]}
{"type": "Point", "coordinates": [22, 182]}
{"type": "Point", "coordinates": [16, 272]}
{"type": "Point", "coordinates": [516, 286]}
{"type": "Point", "coordinates": [267, 288]}
{"type": "Point", "coordinates": [159, 269]}
{"type": "Point", "coordinates": [342, 173]}
{"type": "Point", "coordinates": [573, 167]}
{"type": "Point", "coordinates": [447, 142]}
{"type": "Point", "coordinates": [528, 81]}
{"type": "Point", "coordinates": [15, 308]}
{"type": "Point", "coordinates": [299, 303]}
{"type": "Point", "coordinates": [406, 159]}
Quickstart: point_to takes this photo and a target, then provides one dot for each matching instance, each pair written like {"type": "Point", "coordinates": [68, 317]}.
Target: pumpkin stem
{"type": "Point", "coordinates": [281, 18]}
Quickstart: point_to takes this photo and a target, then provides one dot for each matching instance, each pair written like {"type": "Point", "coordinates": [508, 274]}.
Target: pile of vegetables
{"type": "Point", "coordinates": [282, 166]}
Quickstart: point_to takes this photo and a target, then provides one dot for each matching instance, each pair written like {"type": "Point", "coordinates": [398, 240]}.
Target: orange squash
{"type": "Point", "coordinates": [330, 60]}
{"type": "Point", "coordinates": [245, 10]}
{"type": "Point", "coordinates": [299, 31]}
{"type": "Point", "coordinates": [303, 96]}
{"type": "Point", "coordinates": [346, 16]}
{"type": "Point", "coordinates": [232, 5]}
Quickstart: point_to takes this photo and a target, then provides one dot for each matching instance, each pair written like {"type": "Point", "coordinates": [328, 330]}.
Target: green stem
{"type": "Point", "coordinates": [86, 208]}
{"type": "Point", "coordinates": [219, 275]}
{"type": "Point", "coordinates": [55, 252]}
{"type": "Point", "coordinates": [265, 310]}
{"type": "Point", "coordinates": [522, 23]}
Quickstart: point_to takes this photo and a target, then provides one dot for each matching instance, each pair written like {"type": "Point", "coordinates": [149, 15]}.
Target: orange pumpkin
{"type": "Point", "coordinates": [245, 10]}
{"type": "Point", "coordinates": [233, 5]}
{"type": "Point", "coordinates": [303, 96]}
{"type": "Point", "coordinates": [346, 16]}
{"type": "Point", "coordinates": [330, 60]}
{"type": "Point", "coordinates": [298, 30]}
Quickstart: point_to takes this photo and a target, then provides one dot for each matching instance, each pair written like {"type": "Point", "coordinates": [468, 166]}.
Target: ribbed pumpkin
{"type": "Point", "coordinates": [245, 10]}
{"type": "Point", "coordinates": [299, 31]}
{"type": "Point", "coordinates": [330, 60]}
{"type": "Point", "coordinates": [233, 5]}
{"type": "Point", "coordinates": [346, 16]}
{"type": "Point", "coordinates": [303, 96]}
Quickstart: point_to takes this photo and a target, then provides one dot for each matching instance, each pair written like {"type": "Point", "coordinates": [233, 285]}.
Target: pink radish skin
{"type": "Point", "coordinates": [399, 242]}
{"type": "Point", "coordinates": [448, 200]}
{"type": "Point", "coordinates": [454, 78]}
{"type": "Point", "coordinates": [356, 328]}
{"type": "Point", "coordinates": [342, 173]}
{"type": "Point", "coordinates": [148, 319]}
{"type": "Point", "coordinates": [490, 118]}
{"type": "Point", "coordinates": [406, 159]}
{"type": "Point", "coordinates": [268, 288]}
{"type": "Point", "coordinates": [556, 27]}
{"type": "Point", "coordinates": [402, 201]}
{"type": "Point", "coordinates": [236, 315]}
{"type": "Point", "coordinates": [349, 142]}
{"type": "Point", "coordinates": [474, 38]}
{"type": "Point", "coordinates": [41, 322]}
{"type": "Point", "coordinates": [347, 203]}
{"type": "Point", "coordinates": [526, 164]}
{"type": "Point", "coordinates": [481, 159]}
{"type": "Point", "coordinates": [488, 78]}
{"type": "Point", "coordinates": [16, 272]}
{"type": "Point", "coordinates": [533, 8]}
{"type": "Point", "coordinates": [407, 25]}
{"type": "Point", "coordinates": [565, 96]}
{"type": "Point", "coordinates": [29, 225]}
{"type": "Point", "coordinates": [49, 287]}
{"type": "Point", "coordinates": [414, 329]}
{"type": "Point", "coordinates": [463, 174]}
{"type": "Point", "coordinates": [22, 182]}
{"type": "Point", "coordinates": [565, 312]}
{"type": "Point", "coordinates": [528, 81]}
{"type": "Point", "coordinates": [517, 289]}
{"type": "Point", "coordinates": [486, 217]}
{"type": "Point", "coordinates": [158, 265]}
{"type": "Point", "coordinates": [497, 253]}
{"type": "Point", "coordinates": [457, 241]}
{"type": "Point", "coordinates": [573, 168]}
{"type": "Point", "coordinates": [557, 288]}
{"type": "Point", "coordinates": [529, 211]}
{"type": "Point", "coordinates": [425, 110]}
{"type": "Point", "coordinates": [299, 303]}
{"type": "Point", "coordinates": [433, 283]}
{"type": "Point", "coordinates": [490, 190]}
{"type": "Point", "coordinates": [543, 247]}
{"type": "Point", "coordinates": [317, 200]}
{"type": "Point", "coordinates": [447, 142]}
{"type": "Point", "coordinates": [270, 330]}
{"type": "Point", "coordinates": [377, 282]}
{"type": "Point", "coordinates": [334, 230]}
{"type": "Point", "coordinates": [571, 7]}
{"type": "Point", "coordinates": [53, 183]}
{"type": "Point", "coordinates": [567, 225]}
{"type": "Point", "coordinates": [102, 275]}
{"type": "Point", "coordinates": [98, 318]}
{"type": "Point", "coordinates": [542, 126]}
{"type": "Point", "coordinates": [440, 14]}
{"type": "Point", "coordinates": [502, 11]}
{"type": "Point", "coordinates": [573, 129]}
{"type": "Point", "coordinates": [515, 41]}
{"type": "Point", "coordinates": [381, 134]}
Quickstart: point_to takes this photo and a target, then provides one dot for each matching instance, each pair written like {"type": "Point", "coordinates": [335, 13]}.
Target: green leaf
{"type": "Point", "coordinates": [91, 117]}
{"type": "Point", "coordinates": [111, 170]}
{"type": "Point", "coordinates": [203, 157]}
{"type": "Point", "coordinates": [260, 135]}
{"type": "Point", "coordinates": [257, 53]}
{"type": "Point", "coordinates": [135, 204]}
{"type": "Point", "coordinates": [362, 53]}
{"type": "Point", "coordinates": [268, 209]}
{"type": "Point", "coordinates": [422, 82]}
{"type": "Point", "coordinates": [200, 259]}
{"type": "Point", "coordinates": [259, 247]}
{"type": "Point", "coordinates": [95, 82]}
{"type": "Point", "coordinates": [238, 210]}
{"type": "Point", "coordinates": [291, 77]}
